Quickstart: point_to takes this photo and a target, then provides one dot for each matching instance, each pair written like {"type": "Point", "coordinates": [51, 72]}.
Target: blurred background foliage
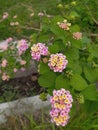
{"type": "Point", "coordinates": [84, 13]}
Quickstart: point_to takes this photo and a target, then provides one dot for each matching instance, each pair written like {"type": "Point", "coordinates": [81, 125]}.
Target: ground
{"type": "Point", "coordinates": [20, 87]}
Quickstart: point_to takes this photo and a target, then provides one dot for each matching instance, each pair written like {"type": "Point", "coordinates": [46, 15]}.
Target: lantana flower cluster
{"type": "Point", "coordinates": [77, 35]}
{"type": "Point", "coordinates": [64, 25]}
{"type": "Point", "coordinates": [38, 50]}
{"type": "Point", "coordinates": [22, 46]}
{"type": "Point", "coordinates": [57, 62]}
{"type": "Point", "coordinates": [61, 103]}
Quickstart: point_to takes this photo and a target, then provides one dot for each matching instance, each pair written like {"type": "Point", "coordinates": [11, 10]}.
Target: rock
{"type": "Point", "coordinates": [31, 70]}
{"type": "Point", "coordinates": [27, 105]}
{"type": "Point", "coordinates": [3, 45]}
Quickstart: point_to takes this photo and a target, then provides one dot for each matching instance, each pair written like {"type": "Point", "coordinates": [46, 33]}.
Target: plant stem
{"type": "Point", "coordinates": [61, 128]}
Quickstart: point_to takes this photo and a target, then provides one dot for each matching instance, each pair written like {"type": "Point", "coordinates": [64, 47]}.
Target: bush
{"type": "Point", "coordinates": [67, 58]}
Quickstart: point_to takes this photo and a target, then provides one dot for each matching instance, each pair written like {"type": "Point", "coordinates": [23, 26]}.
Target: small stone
{"type": "Point", "coordinates": [34, 78]}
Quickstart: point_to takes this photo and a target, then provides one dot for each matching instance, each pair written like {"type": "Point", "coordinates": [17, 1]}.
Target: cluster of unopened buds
{"type": "Point", "coordinates": [5, 15]}
{"type": "Point", "coordinates": [4, 63]}
{"type": "Point", "coordinates": [57, 62]}
{"type": "Point", "coordinates": [38, 50]}
{"type": "Point", "coordinates": [61, 103]}
{"type": "Point", "coordinates": [64, 25]}
{"type": "Point", "coordinates": [22, 46]}
{"type": "Point", "coordinates": [77, 35]}
{"type": "Point", "coordinates": [14, 23]}
{"type": "Point", "coordinates": [5, 77]}
{"type": "Point", "coordinates": [10, 39]}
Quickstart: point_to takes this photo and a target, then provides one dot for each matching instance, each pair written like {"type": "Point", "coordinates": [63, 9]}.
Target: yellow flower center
{"type": "Point", "coordinates": [35, 48]}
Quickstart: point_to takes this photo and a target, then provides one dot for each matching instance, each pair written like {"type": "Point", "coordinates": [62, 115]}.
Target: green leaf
{"type": "Point", "coordinates": [62, 82]}
{"type": "Point", "coordinates": [76, 43]}
{"type": "Point", "coordinates": [72, 54]}
{"type": "Point", "coordinates": [73, 109]}
{"type": "Point", "coordinates": [93, 49]}
{"type": "Point", "coordinates": [43, 68]}
{"type": "Point", "coordinates": [57, 18]}
{"type": "Point", "coordinates": [60, 44]}
{"type": "Point", "coordinates": [90, 93]}
{"type": "Point", "coordinates": [91, 74]}
{"type": "Point", "coordinates": [75, 66]}
{"type": "Point", "coordinates": [43, 38]}
{"type": "Point", "coordinates": [54, 48]}
{"type": "Point", "coordinates": [90, 106]}
{"type": "Point", "coordinates": [47, 80]}
{"type": "Point", "coordinates": [86, 40]}
{"type": "Point", "coordinates": [60, 33]}
{"type": "Point", "coordinates": [74, 14]}
{"type": "Point", "coordinates": [33, 37]}
{"type": "Point", "coordinates": [78, 82]}
{"type": "Point", "coordinates": [75, 28]}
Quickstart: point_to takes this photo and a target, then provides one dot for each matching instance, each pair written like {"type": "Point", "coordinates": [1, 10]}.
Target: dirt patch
{"type": "Point", "coordinates": [20, 87]}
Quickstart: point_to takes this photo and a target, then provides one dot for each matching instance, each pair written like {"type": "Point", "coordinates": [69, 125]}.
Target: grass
{"type": "Point", "coordinates": [36, 5]}
{"type": "Point", "coordinates": [40, 120]}
{"type": "Point", "coordinates": [23, 9]}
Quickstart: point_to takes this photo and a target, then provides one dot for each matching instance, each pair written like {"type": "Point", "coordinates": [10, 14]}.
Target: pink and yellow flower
{"type": "Point", "coordinates": [57, 62]}
{"type": "Point", "coordinates": [22, 46]}
{"type": "Point", "coordinates": [64, 25]}
{"type": "Point", "coordinates": [61, 103]}
{"type": "Point", "coordinates": [38, 50]}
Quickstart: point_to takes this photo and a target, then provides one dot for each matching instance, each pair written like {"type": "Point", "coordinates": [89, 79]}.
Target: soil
{"type": "Point", "coordinates": [20, 87]}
